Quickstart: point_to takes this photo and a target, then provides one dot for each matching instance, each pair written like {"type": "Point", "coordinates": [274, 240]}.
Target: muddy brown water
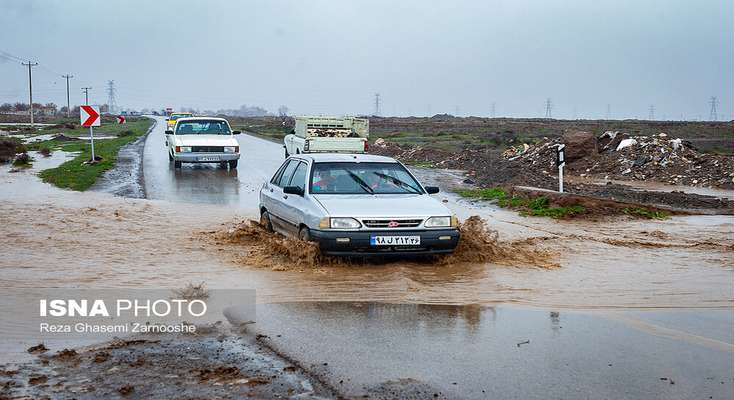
{"type": "Point", "coordinates": [58, 238]}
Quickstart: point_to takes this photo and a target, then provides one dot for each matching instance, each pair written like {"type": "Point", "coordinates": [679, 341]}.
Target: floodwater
{"type": "Point", "coordinates": [434, 323]}
{"type": "Point", "coordinates": [478, 352]}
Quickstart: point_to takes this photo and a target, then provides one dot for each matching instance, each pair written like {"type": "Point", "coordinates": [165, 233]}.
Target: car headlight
{"type": "Point", "coordinates": [438, 222]}
{"type": "Point", "coordinates": [184, 149]}
{"type": "Point", "coordinates": [344, 223]}
{"type": "Point", "coordinates": [231, 149]}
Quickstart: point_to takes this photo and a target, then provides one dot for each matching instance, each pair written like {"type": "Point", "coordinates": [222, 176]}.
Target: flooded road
{"type": "Point", "coordinates": [404, 324]}
{"type": "Point", "coordinates": [477, 352]}
{"type": "Point", "coordinates": [208, 183]}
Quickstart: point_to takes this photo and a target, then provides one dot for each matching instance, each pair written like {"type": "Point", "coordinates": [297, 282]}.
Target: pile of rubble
{"type": "Point", "coordinates": [615, 155]}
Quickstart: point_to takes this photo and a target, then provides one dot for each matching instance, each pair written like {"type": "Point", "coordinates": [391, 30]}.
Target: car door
{"type": "Point", "coordinates": [293, 204]}
{"type": "Point", "coordinates": [276, 199]}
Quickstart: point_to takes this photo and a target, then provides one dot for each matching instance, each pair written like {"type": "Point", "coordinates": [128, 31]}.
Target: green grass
{"type": "Point", "coordinates": [535, 206]}
{"type": "Point", "coordinates": [75, 174]}
{"type": "Point", "coordinates": [645, 213]}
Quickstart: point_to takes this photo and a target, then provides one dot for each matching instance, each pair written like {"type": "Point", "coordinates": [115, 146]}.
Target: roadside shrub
{"type": "Point", "coordinates": [45, 151]}
{"type": "Point", "coordinates": [644, 213]}
{"type": "Point", "coordinates": [125, 133]}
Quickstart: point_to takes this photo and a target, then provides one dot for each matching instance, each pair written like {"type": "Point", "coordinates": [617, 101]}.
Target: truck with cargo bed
{"type": "Point", "coordinates": [328, 135]}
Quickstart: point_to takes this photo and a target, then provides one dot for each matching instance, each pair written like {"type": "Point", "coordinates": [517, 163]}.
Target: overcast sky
{"type": "Point", "coordinates": [423, 57]}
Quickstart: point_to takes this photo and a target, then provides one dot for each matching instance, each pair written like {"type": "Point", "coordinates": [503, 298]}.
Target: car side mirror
{"type": "Point", "coordinates": [236, 132]}
{"type": "Point", "coordinates": [168, 119]}
{"type": "Point", "coordinates": [432, 189]}
{"type": "Point", "coordinates": [169, 132]}
{"type": "Point", "coordinates": [297, 190]}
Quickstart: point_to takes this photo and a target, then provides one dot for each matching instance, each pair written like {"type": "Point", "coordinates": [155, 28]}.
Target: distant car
{"type": "Point", "coordinates": [171, 120]}
{"type": "Point", "coordinates": [202, 140]}
{"type": "Point", "coordinates": [356, 204]}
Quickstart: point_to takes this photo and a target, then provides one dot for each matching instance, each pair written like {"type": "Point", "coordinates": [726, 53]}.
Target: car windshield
{"type": "Point", "coordinates": [202, 127]}
{"type": "Point", "coordinates": [177, 116]}
{"type": "Point", "coordinates": [360, 178]}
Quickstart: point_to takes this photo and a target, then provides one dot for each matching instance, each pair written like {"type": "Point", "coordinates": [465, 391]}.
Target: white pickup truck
{"type": "Point", "coordinates": [328, 135]}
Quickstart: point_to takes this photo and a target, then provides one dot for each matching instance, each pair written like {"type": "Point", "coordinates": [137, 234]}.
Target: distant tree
{"type": "Point", "coordinates": [51, 105]}
{"type": "Point", "coordinates": [6, 107]}
{"type": "Point", "coordinates": [104, 108]}
{"type": "Point", "coordinates": [62, 110]}
{"type": "Point", "coordinates": [20, 107]}
{"type": "Point", "coordinates": [283, 112]}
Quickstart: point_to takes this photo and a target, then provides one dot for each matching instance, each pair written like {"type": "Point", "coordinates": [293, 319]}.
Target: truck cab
{"type": "Point", "coordinates": [328, 135]}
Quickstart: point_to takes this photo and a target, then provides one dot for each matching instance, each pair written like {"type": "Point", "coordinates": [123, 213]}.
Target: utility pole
{"type": "Point", "coordinates": [377, 104]}
{"type": "Point", "coordinates": [548, 108]}
{"type": "Point", "coordinates": [651, 117]}
{"type": "Point", "coordinates": [713, 102]}
{"type": "Point", "coordinates": [68, 101]}
{"type": "Point", "coordinates": [30, 65]}
{"type": "Point", "coordinates": [111, 99]}
{"type": "Point", "coordinates": [86, 95]}
{"type": "Point", "coordinates": [493, 109]}
{"type": "Point", "coordinates": [609, 111]}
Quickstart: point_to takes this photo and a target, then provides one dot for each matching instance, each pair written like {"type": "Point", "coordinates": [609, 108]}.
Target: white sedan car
{"type": "Point", "coordinates": [356, 204]}
{"type": "Point", "coordinates": [202, 140]}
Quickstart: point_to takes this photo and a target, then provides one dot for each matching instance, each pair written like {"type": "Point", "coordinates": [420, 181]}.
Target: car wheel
{"type": "Point", "coordinates": [265, 221]}
{"type": "Point", "coordinates": [223, 164]}
{"type": "Point", "coordinates": [233, 164]}
{"type": "Point", "coordinates": [176, 164]}
{"type": "Point", "coordinates": [305, 234]}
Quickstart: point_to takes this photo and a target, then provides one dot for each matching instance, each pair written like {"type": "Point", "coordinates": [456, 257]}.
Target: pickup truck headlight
{"type": "Point", "coordinates": [183, 149]}
{"type": "Point", "coordinates": [231, 149]}
{"type": "Point", "coordinates": [438, 222]}
{"type": "Point", "coordinates": [344, 223]}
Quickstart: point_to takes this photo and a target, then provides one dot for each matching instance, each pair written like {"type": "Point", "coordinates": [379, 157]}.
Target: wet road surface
{"type": "Point", "coordinates": [208, 183]}
{"type": "Point", "coordinates": [478, 352]}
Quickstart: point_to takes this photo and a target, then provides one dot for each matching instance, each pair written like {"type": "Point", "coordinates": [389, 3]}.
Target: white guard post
{"type": "Point", "coordinates": [560, 163]}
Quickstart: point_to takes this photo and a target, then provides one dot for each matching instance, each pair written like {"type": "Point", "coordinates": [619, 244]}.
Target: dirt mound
{"type": "Point", "coordinates": [478, 244]}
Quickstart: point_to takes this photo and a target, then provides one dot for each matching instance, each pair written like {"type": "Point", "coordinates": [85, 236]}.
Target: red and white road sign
{"type": "Point", "coordinates": [120, 119]}
{"type": "Point", "coordinates": [89, 116]}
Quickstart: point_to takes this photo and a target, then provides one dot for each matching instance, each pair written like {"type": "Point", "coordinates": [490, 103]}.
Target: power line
{"type": "Point", "coordinates": [68, 111]}
{"type": "Point", "coordinates": [86, 95]}
{"type": "Point", "coordinates": [493, 110]}
{"type": "Point", "coordinates": [713, 102]}
{"type": "Point", "coordinates": [651, 115]}
{"type": "Point", "coordinates": [609, 111]}
{"type": "Point", "coordinates": [111, 97]}
{"type": "Point", "coordinates": [30, 87]}
{"type": "Point", "coordinates": [548, 108]}
{"type": "Point", "coordinates": [377, 104]}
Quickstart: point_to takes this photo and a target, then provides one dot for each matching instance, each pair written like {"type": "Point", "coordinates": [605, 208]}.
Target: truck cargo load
{"type": "Point", "coordinates": [328, 135]}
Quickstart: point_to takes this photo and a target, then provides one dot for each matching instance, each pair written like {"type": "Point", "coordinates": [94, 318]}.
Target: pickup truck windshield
{"type": "Point", "coordinates": [202, 127]}
{"type": "Point", "coordinates": [362, 178]}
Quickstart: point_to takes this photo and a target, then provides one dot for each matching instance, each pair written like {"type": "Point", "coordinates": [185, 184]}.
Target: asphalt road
{"type": "Point", "coordinates": [208, 183]}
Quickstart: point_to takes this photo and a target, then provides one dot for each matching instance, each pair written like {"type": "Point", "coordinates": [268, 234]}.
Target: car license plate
{"type": "Point", "coordinates": [395, 240]}
{"type": "Point", "coordinates": [209, 158]}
